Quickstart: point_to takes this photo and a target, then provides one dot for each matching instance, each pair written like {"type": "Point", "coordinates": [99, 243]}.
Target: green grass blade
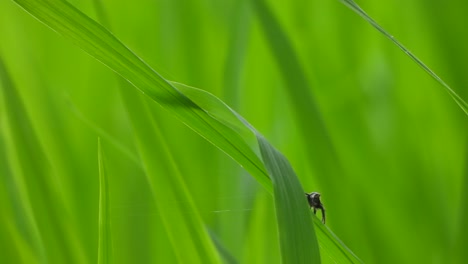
{"type": "Point", "coordinates": [22, 240]}
{"type": "Point", "coordinates": [33, 188]}
{"type": "Point", "coordinates": [103, 134]}
{"type": "Point", "coordinates": [332, 249]}
{"type": "Point", "coordinates": [459, 252]}
{"type": "Point", "coordinates": [228, 258]}
{"type": "Point", "coordinates": [356, 8]}
{"type": "Point", "coordinates": [221, 249]}
{"type": "Point", "coordinates": [298, 242]}
{"type": "Point", "coordinates": [190, 241]}
{"type": "Point", "coordinates": [284, 180]}
{"type": "Point", "coordinates": [261, 244]}
{"type": "Point", "coordinates": [101, 44]}
{"type": "Point", "coordinates": [219, 125]}
{"type": "Point", "coordinates": [308, 116]}
{"type": "Point", "coordinates": [105, 254]}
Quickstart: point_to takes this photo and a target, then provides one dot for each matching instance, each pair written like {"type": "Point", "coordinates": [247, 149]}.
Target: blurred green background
{"type": "Point", "coordinates": [393, 178]}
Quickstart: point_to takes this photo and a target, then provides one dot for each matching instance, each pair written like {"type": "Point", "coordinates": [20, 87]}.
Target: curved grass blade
{"type": "Point", "coordinates": [193, 222]}
{"type": "Point", "coordinates": [23, 214]}
{"type": "Point", "coordinates": [331, 248]}
{"type": "Point", "coordinates": [105, 254]}
{"type": "Point", "coordinates": [98, 42]}
{"type": "Point", "coordinates": [298, 242]}
{"type": "Point", "coordinates": [103, 134]}
{"type": "Point", "coordinates": [297, 239]}
{"type": "Point", "coordinates": [461, 239]}
{"type": "Point", "coordinates": [41, 211]}
{"type": "Point", "coordinates": [358, 10]}
{"type": "Point", "coordinates": [189, 238]}
{"type": "Point", "coordinates": [102, 45]}
{"type": "Point", "coordinates": [228, 258]}
{"type": "Point", "coordinates": [309, 119]}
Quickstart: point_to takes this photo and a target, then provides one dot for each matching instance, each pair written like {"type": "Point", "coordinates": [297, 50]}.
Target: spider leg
{"type": "Point", "coordinates": [315, 210]}
{"type": "Point", "coordinates": [323, 215]}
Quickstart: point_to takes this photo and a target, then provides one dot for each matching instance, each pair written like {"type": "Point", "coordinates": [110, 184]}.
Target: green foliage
{"type": "Point", "coordinates": [342, 106]}
{"type": "Point", "coordinates": [105, 254]}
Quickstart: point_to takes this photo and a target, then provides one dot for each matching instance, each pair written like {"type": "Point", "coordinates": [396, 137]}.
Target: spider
{"type": "Point", "coordinates": [314, 201]}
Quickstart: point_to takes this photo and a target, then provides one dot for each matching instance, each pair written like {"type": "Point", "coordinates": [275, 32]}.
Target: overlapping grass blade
{"type": "Point", "coordinates": [228, 258]}
{"type": "Point", "coordinates": [333, 248]}
{"type": "Point", "coordinates": [308, 116]}
{"type": "Point", "coordinates": [461, 238]}
{"type": "Point", "coordinates": [32, 188]}
{"type": "Point", "coordinates": [356, 8]}
{"type": "Point", "coordinates": [184, 226]}
{"type": "Point", "coordinates": [295, 227]}
{"type": "Point", "coordinates": [233, 230]}
{"type": "Point", "coordinates": [21, 240]}
{"type": "Point", "coordinates": [297, 237]}
{"type": "Point", "coordinates": [204, 252]}
{"type": "Point", "coordinates": [105, 254]}
{"type": "Point", "coordinates": [101, 44]}
{"type": "Point", "coordinates": [261, 245]}
{"type": "Point", "coordinates": [297, 240]}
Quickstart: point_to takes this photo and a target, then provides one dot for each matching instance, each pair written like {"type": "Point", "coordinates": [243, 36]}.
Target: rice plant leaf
{"type": "Point", "coordinates": [189, 238]}
{"type": "Point", "coordinates": [309, 118]}
{"type": "Point", "coordinates": [190, 223]}
{"type": "Point", "coordinates": [17, 219]}
{"type": "Point", "coordinates": [101, 44]}
{"type": "Point", "coordinates": [461, 238]}
{"type": "Point", "coordinates": [332, 250]}
{"type": "Point", "coordinates": [32, 186]}
{"type": "Point", "coordinates": [105, 254]}
{"type": "Point", "coordinates": [219, 126]}
{"type": "Point", "coordinates": [358, 10]}
{"type": "Point", "coordinates": [298, 242]}
{"type": "Point", "coordinates": [228, 258]}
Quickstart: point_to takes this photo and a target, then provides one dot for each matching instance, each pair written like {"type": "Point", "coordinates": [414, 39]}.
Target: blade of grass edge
{"type": "Point", "coordinates": [166, 182]}
{"type": "Point", "coordinates": [102, 16]}
{"type": "Point", "coordinates": [105, 254]}
{"type": "Point", "coordinates": [37, 195]}
{"type": "Point", "coordinates": [332, 246]}
{"type": "Point", "coordinates": [459, 253]}
{"type": "Point", "coordinates": [358, 10]}
{"type": "Point", "coordinates": [309, 118]}
{"type": "Point", "coordinates": [90, 36]}
{"type": "Point", "coordinates": [223, 251]}
{"type": "Point", "coordinates": [23, 217]}
{"type": "Point", "coordinates": [19, 243]}
{"type": "Point", "coordinates": [298, 242]}
{"type": "Point", "coordinates": [219, 110]}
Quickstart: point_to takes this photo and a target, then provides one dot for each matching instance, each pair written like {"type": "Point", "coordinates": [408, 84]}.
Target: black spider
{"type": "Point", "coordinates": [314, 201]}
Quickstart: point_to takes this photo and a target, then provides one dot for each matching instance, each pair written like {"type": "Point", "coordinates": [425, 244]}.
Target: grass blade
{"type": "Point", "coordinates": [358, 10]}
{"type": "Point", "coordinates": [105, 254]}
{"type": "Point", "coordinates": [180, 220]}
{"type": "Point", "coordinates": [298, 242]}
{"type": "Point", "coordinates": [283, 178]}
{"type": "Point", "coordinates": [34, 187]}
{"type": "Point", "coordinates": [218, 124]}
{"type": "Point", "coordinates": [309, 118]}
{"type": "Point", "coordinates": [101, 44]}
{"type": "Point", "coordinates": [171, 229]}
{"type": "Point", "coordinates": [332, 249]}
{"type": "Point", "coordinates": [228, 258]}
{"type": "Point", "coordinates": [459, 252]}
{"type": "Point", "coordinates": [17, 224]}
